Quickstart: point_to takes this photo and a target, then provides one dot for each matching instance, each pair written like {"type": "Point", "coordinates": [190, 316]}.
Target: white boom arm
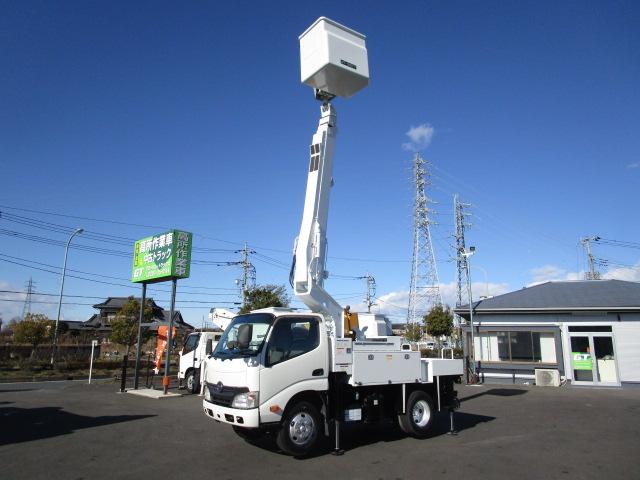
{"type": "Point", "coordinates": [308, 271]}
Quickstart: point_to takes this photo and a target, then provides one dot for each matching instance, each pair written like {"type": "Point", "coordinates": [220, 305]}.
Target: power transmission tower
{"type": "Point", "coordinates": [461, 260]}
{"type": "Point", "coordinates": [371, 291]}
{"type": "Point", "coordinates": [592, 274]}
{"type": "Point", "coordinates": [424, 291]}
{"type": "Point", "coordinates": [26, 309]}
{"type": "Point", "coordinates": [248, 280]}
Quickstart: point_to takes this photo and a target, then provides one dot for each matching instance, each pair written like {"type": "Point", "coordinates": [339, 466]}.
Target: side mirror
{"type": "Point", "coordinates": [208, 347]}
{"type": "Point", "coordinates": [245, 332]}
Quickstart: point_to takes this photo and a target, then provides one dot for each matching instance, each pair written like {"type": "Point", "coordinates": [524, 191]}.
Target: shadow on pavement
{"type": "Point", "coordinates": [12, 390]}
{"type": "Point", "coordinates": [360, 435]}
{"type": "Point", "coordinates": [497, 392]}
{"type": "Point", "coordinates": [27, 424]}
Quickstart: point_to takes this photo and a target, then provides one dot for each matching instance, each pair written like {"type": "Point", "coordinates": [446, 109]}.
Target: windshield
{"type": "Point", "coordinates": [227, 346]}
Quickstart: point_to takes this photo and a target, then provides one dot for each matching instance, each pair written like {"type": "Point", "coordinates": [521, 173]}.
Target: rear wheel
{"type": "Point", "coordinates": [300, 429]}
{"type": "Point", "coordinates": [418, 416]}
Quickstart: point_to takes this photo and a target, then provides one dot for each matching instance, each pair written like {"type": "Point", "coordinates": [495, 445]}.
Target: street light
{"type": "Point", "coordinates": [467, 254]}
{"type": "Point", "coordinates": [64, 271]}
{"type": "Point", "coordinates": [486, 280]}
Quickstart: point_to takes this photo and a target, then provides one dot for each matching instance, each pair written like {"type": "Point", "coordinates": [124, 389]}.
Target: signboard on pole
{"type": "Point", "coordinates": [162, 257]}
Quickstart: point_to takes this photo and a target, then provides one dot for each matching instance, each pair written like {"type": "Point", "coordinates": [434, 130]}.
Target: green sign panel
{"type": "Point", "coordinates": [162, 257]}
{"type": "Point", "coordinates": [581, 361]}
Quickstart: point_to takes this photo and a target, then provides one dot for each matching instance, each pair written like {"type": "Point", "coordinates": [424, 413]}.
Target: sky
{"type": "Point", "coordinates": [130, 118]}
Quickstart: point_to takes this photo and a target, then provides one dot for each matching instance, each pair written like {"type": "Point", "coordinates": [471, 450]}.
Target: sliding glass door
{"type": "Point", "coordinates": [593, 360]}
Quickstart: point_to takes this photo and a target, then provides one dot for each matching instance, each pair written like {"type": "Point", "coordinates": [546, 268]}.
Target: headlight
{"type": "Point", "coordinates": [245, 400]}
{"type": "Point", "coordinates": [207, 393]}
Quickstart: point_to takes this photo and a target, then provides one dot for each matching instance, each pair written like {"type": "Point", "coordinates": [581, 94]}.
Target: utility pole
{"type": "Point", "coordinates": [424, 290]}
{"type": "Point", "coordinates": [371, 291]}
{"type": "Point", "coordinates": [26, 309]}
{"type": "Point", "coordinates": [592, 274]}
{"type": "Point", "coordinates": [461, 260]}
{"type": "Point", "coordinates": [248, 279]}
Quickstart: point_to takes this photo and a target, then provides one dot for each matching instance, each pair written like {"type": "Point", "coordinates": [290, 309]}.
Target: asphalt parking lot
{"type": "Point", "coordinates": [78, 431]}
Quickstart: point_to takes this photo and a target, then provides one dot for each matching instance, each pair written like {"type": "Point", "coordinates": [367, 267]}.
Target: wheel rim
{"type": "Point", "coordinates": [190, 382]}
{"type": "Point", "coordinates": [301, 428]}
{"type": "Point", "coordinates": [421, 413]}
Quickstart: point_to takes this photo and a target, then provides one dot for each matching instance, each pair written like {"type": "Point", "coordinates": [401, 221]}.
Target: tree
{"type": "Point", "coordinates": [265, 296]}
{"type": "Point", "coordinates": [124, 328]}
{"type": "Point", "coordinates": [413, 332]}
{"type": "Point", "coordinates": [34, 329]}
{"type": "Point", "coordinates": [439, 322]}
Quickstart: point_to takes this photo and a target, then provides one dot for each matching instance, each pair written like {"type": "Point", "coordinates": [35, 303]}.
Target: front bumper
{"type": "Point", "coordinates": [233, 416]}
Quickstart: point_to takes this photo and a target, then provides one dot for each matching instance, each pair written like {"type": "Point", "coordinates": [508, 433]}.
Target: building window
{"type": "Point", "coordinates": [516, 346]}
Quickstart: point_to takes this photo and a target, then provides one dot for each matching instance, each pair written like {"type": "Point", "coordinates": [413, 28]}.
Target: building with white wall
{"type": "Point", "coordinates": [589, 331]}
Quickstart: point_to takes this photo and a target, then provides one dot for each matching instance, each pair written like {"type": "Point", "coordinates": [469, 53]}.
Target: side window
{"type": "Point", "coordinates": [190, 344]}
{"type": "Point", "coordinates": [292, 337]}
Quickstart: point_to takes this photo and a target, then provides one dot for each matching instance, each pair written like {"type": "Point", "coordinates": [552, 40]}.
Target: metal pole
{"type": "Point", "coordinates": [165, 379]}
{"type": "Point", "coordinates": [148, 368]}
{"type": "Point", "coordinates": [93, 346]}
{"type": "Point", "coordinates": [64, 271]}
{"type": "Point", "coordinates": [486, 279]}
{"type": "Point", "coordinates": [473, 345]}
{"type": "Point", "coordinates": [137, 368]}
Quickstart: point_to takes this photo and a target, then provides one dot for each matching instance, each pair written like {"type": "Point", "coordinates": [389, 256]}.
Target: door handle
{"type": "Point", "coordinates": [318, 372]}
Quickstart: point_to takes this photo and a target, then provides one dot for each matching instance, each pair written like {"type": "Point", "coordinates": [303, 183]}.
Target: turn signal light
{"type": "Point", "coordinates": [274, 409]}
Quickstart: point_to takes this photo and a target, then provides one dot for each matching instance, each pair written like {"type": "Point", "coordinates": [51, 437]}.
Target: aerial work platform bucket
{"type": "Point", "coordinates": [333, 58]}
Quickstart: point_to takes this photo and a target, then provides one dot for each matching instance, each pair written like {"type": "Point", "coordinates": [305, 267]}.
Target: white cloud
{"type": "Point", "coordinates": [419, 137]}
{"type": "Point", "coordinates": [552, 273]}
{"type": "Point", "coordinates": [630, 274]}
{"type": "Point", "coordinates": [547, 273]}
{"type": "Point", "coordinates": [634, 165]}
{"type": "Point", "coordinates": [396, 303]}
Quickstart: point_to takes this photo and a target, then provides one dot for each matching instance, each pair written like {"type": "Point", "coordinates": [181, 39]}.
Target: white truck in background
{"type": "Point", "coordinates": [300, 375]}
{"type": "Point", "coordinates": [196, 347]}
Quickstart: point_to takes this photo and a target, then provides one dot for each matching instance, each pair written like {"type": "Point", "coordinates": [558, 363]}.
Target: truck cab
{"type": "Point", "coordinates": [252, 376]}
{"type": "Point", "coordinates": [196, 347]}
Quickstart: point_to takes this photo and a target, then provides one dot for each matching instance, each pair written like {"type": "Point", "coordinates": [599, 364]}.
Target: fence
{"type": "Point", "coordinates": [43, 352]}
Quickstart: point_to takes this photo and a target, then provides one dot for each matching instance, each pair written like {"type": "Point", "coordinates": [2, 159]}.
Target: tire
{"type": "Point", "coordinates": [300, 429]}
{"type": "Point", "coordinates": [419, 415]}
{"type": "Point", "coordinates": [191, 382]}
{"type": "Point", "coordinates": [249, 435]}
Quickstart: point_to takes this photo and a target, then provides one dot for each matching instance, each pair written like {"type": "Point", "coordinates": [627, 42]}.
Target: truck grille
{"type": "Point", "coordinates": [223, 395]}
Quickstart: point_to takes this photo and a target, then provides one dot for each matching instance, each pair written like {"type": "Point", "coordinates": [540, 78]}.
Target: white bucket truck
{"type": "Point", "coordinates": [197, 346]}
{"type": "Point", "coordinates": [300, 375]}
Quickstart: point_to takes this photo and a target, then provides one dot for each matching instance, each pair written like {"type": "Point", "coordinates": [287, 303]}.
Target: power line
{"type": "Point", "coordinates": [94, 280]}
{"type": "Point", "coordinates": [102, 297]}
{"type": "Point", "coordinates": [226, 304]}
{"type": "Point", "coordinates": [617, 243]}
{"type": "Point", "coordinates": [116, 278]}
{"type": "Point", "coordinates": [126, 241]}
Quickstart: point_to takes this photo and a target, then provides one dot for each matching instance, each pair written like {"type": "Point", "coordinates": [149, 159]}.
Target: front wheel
{"type": "Point", "coordinates": [418, 416]}
{"type": "Point", "coordinates": [300, 429]}
{"type": "Point", "coordinates": [191, 382]}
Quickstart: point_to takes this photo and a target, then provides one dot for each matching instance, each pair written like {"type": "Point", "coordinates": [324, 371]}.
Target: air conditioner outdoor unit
{"type": "Point", "coordinates": [546, 377]}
